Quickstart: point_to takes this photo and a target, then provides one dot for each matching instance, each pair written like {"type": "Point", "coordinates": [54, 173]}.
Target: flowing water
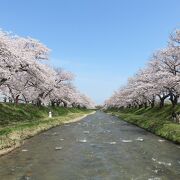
{"type": "Point", "coordinates": [100, 147]}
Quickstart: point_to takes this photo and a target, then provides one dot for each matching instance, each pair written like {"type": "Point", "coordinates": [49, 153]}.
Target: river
{"type": "Point", "coordinates": [99, 147]}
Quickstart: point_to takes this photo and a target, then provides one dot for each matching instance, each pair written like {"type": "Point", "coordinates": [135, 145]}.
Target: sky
{"type": "Point", "coordinates": [103, 42]}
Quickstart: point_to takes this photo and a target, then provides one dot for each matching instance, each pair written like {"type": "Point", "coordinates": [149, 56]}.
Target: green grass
{"type": "Point", "coordinates": [156, 120]}
{"type": "Point", "coordinates": [10, 113]}
{"type": "Point", "coordinates": [19, 122]}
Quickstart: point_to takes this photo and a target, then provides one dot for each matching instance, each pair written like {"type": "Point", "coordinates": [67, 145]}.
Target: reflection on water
{"type": "Point", "coordinates": [98, 147]}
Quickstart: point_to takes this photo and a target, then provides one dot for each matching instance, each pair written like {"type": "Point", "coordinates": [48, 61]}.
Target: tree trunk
{"type": "Point", "coordinates": [52, 103]}
{"type": "Point", "coordinates": [161, 102]}
{"type": "Point", "coordinates": [152, 103]}
{"type": "Point", "coordinates": [140, 106]}
{"type": "Point", "coordinates": [162, 99]}
{"type": "Point", "coordinates": [40, 96]}
{"type": "Point", "coordinates": [17, 99]}
{"type": "Point", "coordinates": [73, 105]}
{"type": "Point", "coordinates": [5, 99]}
{"type": "Point", "coordinates": [39, 102]}
{"type": "Point", "coordinates": [57, 103]}
{"type": "Point", "coordinates": [174, 99]}
{"type": "Point", "coordinates": [65, 105]}
{"type": "Point", "coordinates": [10, 100]}
{"type": "Point", "coordinates": [145, 105]}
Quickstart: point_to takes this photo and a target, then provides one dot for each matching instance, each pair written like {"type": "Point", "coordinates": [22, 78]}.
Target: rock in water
{"type": "Point", "coordinates": [139, 139]}
{"type": "Point", "coordinates": [54, 134]}
{"type": "Point", "coordinates": [164, 163]}
{"type": "Point", "coordinates": [113, 143]}
{"type": "Point", "coordinates": [161, 162]}
{"type": "Point", "coordinates": [24, 150]}
{"type": "Point", "coordinates": [161, 140]}
{"type": "Point", "coordinates": [82, 140]}
{"type": "Point", "coordinates": [108, 131]}
{"type": "Point", "coordinates": [126, 141]}
{"type": "Point", "coordinates": [86, 132]}
{"type": "Point", "coordinates": [58, 148]}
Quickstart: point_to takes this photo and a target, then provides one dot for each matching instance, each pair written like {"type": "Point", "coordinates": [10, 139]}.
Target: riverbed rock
{"type": "Point", "coordinates": [161, 140]}
{"type": "Point", "coordinates": [58, 148]}
{"type": "Point", "coordinates": [162, 162]}
{"type": "Point", "coordinates": [82, 140]}
{"type": "Point", "coordinates": [54, 134]}
{"type": "Point", "coordinates": [113, 142]}
{"type": "Point", "coordinates": [86, 132]}
{"type": "Point", "coordinates": [126, 141]}
{"type": "Point", "coordinates": [24, 150]}
{"type": "Point", "coordinates": [139, 139]}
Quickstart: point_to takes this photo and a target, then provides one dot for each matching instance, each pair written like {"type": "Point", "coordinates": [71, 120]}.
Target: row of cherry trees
{"type": "Point", "coordinates": [158, 82]}
{"type": "Point", "coordinates": [24, 75]}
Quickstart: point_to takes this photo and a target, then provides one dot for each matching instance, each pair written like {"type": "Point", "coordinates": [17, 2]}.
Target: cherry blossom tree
{"type": "Point", "coordinates": [157, 82]}
{"type": "Point", "coordinates": [24, 77]}
{"type": "Point", "coordinates": [19, 54]}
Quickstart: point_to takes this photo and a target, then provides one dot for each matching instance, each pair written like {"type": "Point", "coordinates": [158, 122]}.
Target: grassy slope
{"type": "Point", "coordinates": [155, 120]}
{"type": "Point", "coordinates": [19, 122]}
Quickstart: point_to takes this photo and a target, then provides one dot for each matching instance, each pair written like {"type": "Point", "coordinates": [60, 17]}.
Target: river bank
{"type": "Point", "coordinates": [155, 120]}
{"type": "Point", "coordinates": [20, 122]}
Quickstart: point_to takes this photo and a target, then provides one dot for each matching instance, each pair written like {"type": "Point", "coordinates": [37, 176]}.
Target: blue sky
{"type": "Point", "coordinates": [103, 42]}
